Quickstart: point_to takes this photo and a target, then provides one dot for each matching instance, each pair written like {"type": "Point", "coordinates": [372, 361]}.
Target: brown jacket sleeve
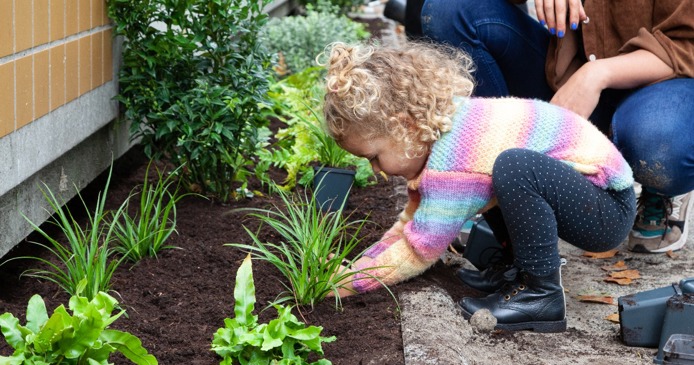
{"type": "Point", "coordinates": [672, 36]}
{"type": "Point", "coordinates": [662, 27]}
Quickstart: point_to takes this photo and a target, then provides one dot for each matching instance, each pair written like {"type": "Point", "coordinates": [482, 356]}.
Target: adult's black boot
{"type": "Point", "coordinates": [488, 280]}
{"type": "Point", "coordinates": [528, 303]}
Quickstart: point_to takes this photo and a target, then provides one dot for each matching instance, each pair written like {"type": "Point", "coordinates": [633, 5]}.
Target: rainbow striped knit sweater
{"type": "Point", "coordinates": [456, 182]}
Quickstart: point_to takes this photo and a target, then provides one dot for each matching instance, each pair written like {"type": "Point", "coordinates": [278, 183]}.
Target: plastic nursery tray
{"type": "Point", "coordinates": [678, 350]}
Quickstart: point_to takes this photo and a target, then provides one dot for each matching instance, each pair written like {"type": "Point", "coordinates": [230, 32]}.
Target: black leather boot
{"type": "Point", "coordinates": [488, 280]}
{"type": "Point", "coordinates": [528, 303]}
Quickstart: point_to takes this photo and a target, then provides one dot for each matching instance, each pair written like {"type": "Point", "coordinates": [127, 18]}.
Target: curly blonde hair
{"type": "Point", "coordinates": [405, 92]}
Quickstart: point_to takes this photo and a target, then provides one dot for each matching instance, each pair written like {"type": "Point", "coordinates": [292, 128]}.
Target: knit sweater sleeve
{"type": "Point", "coordinates": [436, 222]}
{"type": "Point", "coordinates": [396, 231]}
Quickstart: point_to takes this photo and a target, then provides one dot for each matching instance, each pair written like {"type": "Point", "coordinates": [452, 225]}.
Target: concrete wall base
{"type": "Point", "coordinates": [64, 177]}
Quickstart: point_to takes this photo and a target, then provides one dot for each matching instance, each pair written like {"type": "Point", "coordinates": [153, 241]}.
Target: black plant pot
{"type": "Point", "coordinates": [331, 187]}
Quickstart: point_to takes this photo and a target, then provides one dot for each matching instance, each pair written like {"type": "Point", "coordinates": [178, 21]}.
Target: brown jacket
{"type": "Point", "coordinates": [662, 27]}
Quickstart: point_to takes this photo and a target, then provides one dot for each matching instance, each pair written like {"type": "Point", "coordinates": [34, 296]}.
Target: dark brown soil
{"type": "Point", "coordinates": [175, 303]}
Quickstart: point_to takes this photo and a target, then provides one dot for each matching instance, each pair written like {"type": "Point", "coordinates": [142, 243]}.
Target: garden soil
{"type": "Point", "coordinates": [177, 301]}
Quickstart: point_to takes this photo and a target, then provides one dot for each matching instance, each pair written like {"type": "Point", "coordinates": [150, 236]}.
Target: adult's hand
{"type": "Point", "coordinates": [556, 13]}
{"type": "Point", "coordinates": [625, 71]}
{"type": "Point", "coordinates": [581, 92]}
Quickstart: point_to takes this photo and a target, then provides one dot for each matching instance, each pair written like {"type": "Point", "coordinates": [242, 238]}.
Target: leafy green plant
{"type": "Point", "coordinates": [338, 6]}
{"type": "Point", "coordinates": [299, 39]}
{"type": "Point", "coordinates": [283, 341]}
{"type": "Point", "coordinates": [303, 142]}
{"type": "Point", "coordinates": [193, 81]}
{"type": "Point", "coordinates": [314, 245]}
{"type": "Point", "coordinates": [80, 338]}
{"type": "Point", "coordinates": [87, 255]}
{"type": "Point", "coordinates": [145, 234]}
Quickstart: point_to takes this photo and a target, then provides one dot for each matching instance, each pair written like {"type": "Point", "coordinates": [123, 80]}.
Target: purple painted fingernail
{"type": "Point", "coordinates": [574, 26]}
{"type": "Point", "coordinates": [552, 31]}
{"type": "Point", "coordinates": [543, 23]}
{"type": "Point", "coordinates": [560, 34]}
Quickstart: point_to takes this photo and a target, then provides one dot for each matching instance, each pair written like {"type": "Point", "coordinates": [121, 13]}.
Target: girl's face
{"type": "Point", "coordinates": [387, 155]}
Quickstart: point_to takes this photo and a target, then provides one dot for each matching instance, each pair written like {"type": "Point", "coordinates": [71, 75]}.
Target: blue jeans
{"type": "Point", "coordinates": [652, 126]}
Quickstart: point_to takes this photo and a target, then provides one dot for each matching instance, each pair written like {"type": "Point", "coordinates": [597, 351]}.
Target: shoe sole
{"type": "Point", "coordinates": [537, 326]}
{"type": "Point", "coordinates": [675, 245]}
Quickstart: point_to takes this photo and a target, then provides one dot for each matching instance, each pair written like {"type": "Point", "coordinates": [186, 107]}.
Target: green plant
{"type": "Point", "coordinates": [314, 245]}
{"type": "Point", "coordinates": [193, 82]}
{"type": "Point", "coordinates": [303, 142]}
{"type": "Point", "coordinates": [87, 256]}
{"type": "Point", "coordinates": [80, 338]}
{"type": "Point", "coordinates": [145, 234]}
{"type": "Point", "coordinates": [283, 341]}
{"type": "Point", "coordinates": [300, 39]}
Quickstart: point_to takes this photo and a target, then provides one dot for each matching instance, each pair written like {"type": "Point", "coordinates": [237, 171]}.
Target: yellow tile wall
{"type": "Point", "coordinates": [108, 55]}
{"type": "Point", "coordinates": [24, 70]}
{"type": "Point", "coordinates": [24, 25]}
{"type": "Point", "coordinates": [71, 71]}
{"type": "Point", "coordinates": [85, 14]}
{"type": "Point", "coordinates": [97, 60]}
{"type": "Point", "coordinates": [71, 15]}
{"type": "Point", "coordinates": [42, 84]}
{"type": "Point", "coordinates": [57, 60]}
{"type": "Point", "coordinates": [40, 22]}
{"type": "Point", "coordinates": [85, 61]}
{"type": "Point", "coordinates": [58, 19]}
{"type": "Point", "coordinates": [6, 29]}
{"type": "Point", "coordinates": [56, 51]}
{"type": "Point", "coordinates": [6, 99]}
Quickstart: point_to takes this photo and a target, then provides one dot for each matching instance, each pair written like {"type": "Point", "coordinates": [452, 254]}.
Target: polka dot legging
{"type": "Point", "coordinates": [542, 199]}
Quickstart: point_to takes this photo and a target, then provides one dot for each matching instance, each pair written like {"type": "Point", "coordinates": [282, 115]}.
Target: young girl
{"type": "Point", "coordinates": [548, 171]}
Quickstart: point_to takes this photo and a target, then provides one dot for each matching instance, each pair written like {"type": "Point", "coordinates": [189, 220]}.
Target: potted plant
{"type": "Point", "coordinates": [332, 180]}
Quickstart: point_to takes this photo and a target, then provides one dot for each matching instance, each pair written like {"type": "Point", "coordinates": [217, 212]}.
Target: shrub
{"type": "Point", "coordinates": [341, 6]}
{"type": "Point", "coordinates": [300, 39]}
{"type": "Point", "coordinates": [80, 338]}
{"type": "Point", "coordinates": [193, 82]}
{"type": "Point", "coordinates": [285, 340]}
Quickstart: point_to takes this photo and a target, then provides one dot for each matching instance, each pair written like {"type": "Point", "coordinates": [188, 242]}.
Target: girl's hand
{"type": "Point", "coordinates": [346, 288]}
{"type": "Point", "coordinates": [555, 13]}
{"type": "Point", "coordinates": [581, 92]}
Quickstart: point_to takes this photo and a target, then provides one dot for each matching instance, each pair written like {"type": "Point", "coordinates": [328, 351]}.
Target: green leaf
{"type": "Point", "coordinates": [53, 330]}
{"type": "Point", "coordinates": [11, 330]}
{"type": "Point", "coordinates": [17, 359]}
{"type": "Point", "coordinates": [244, 293]}
{"type": "Point", "coordinates": [128, 345]}
{"type": "Point", "coordinates": [36, 313]}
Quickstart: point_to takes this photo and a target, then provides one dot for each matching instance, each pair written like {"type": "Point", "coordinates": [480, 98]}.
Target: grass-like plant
{"type": "Point", "coordinates": [80, 338]}
{"type": "Point", "coordinates": [314, 245]}
{"type": "Point", "coordinates": [284, 340]}
{"type": "Point", "coordinates": [145, 234]}
{"type": "Point", "coordinates": [88, 253]}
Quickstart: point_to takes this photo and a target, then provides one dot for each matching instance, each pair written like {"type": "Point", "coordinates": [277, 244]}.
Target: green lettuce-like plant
{"type": "Point", "coordinates": [77, 339]}
{"type": "Point", "coordinates": [283, 341]}
{"type": "Point", "coordinates": [303, 142]}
